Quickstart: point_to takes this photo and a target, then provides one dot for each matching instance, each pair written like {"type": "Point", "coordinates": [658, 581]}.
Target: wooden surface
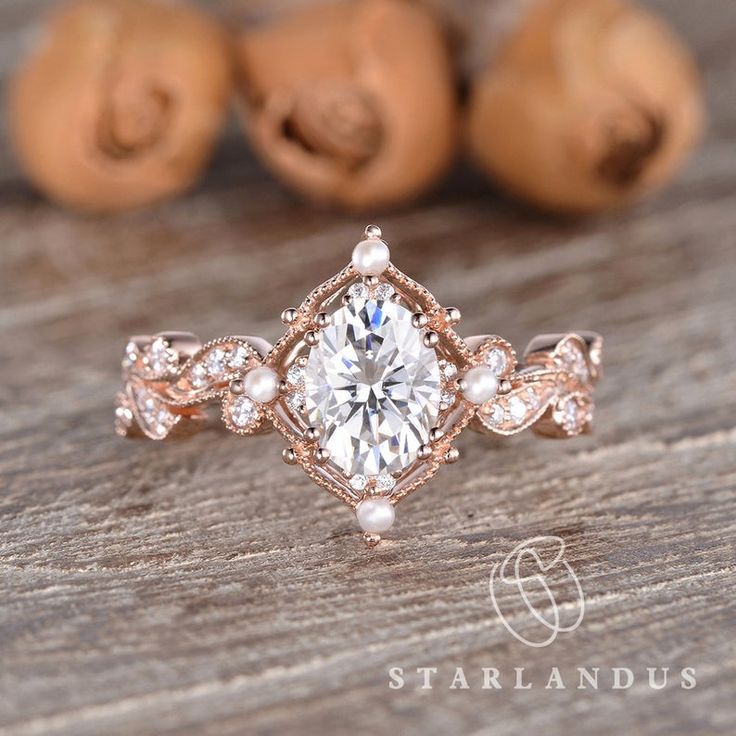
{"type": "Point", "coordinates": [201, 586]}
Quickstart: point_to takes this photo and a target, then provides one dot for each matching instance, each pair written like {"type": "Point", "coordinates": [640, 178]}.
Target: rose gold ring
{"type": "Point", "coordinates": [369, 385]}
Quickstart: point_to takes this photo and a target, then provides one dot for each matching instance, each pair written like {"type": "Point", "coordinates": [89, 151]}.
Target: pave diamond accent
{"type": "Point", "coordinates": [383, 291]}
{"type": "Point", "coordinates": [216, 362]}
{"type": "Point", "coordinates": [295, 375]}
{"type": "Point", "coordinates": [243, 412]}
{"type": "Point", "coordinates": [497, 415]}
{"type": "Point", "coordinates": [385, 483]}
{"type": "Point", "coordinates": [198, 376]}
{"type": "Point", "coordinates": [130, 356]}
{"type": "Point", "coordinates": [160, 358]}
{"type": "Point", "coordinates": [358, 291]}
{"type": "Point", "coordinates": [497, 360]}
{"type": "Point", "coordinates": [238, 357]}
{"type": "Point", "coordinates": [517, 408]}
{"type": "Point", "coordinates": [359, 482]}
{"type": "Point", "coordinates": [373, 386]}
{"type": "Point", "coordinates": [296, 401]}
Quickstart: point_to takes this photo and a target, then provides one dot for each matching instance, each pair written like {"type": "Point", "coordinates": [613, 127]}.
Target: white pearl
{"type": "Point", "coordinates": [370, 257]}
{"type": "Point", "coordinates": [375, 514]}
{"type": "Point", "coordinates": [481, 384]}
{"type": "Point", "coordinates": [262, 384]}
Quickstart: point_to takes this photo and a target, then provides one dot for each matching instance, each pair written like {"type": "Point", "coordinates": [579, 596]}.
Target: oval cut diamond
{"type": "Point", "coordinates": [373, 387]}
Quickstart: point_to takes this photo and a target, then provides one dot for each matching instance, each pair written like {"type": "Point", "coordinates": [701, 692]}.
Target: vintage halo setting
{"type": "Point", "coordinates": [370, 385]}
{"type": "Point", "coordinates": [373, 386]}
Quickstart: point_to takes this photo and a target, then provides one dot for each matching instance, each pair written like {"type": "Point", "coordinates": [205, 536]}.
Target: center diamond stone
{"type": "Point", "coordinates": [373, 387]}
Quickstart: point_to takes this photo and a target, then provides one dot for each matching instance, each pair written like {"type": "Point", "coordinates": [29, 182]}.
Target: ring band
{"type": "Point", "coordinates": [369, 385]}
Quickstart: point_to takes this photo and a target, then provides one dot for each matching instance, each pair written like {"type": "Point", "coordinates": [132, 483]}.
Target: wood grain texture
{"type": "Point", "coordinates": [201, 587]}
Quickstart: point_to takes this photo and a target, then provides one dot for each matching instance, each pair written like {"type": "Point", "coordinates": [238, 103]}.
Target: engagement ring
{"type": "Point", "coordinates": [369, 386]}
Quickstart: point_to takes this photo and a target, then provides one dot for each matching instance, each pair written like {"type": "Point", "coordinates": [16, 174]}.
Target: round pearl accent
{"type": "Point", "coordinates": [375, 514]}
{"type": "Point", "coordinates": [262, 384]}
{"type": "Point", "coordinates": [370, 257]}
{"type": "Point", "coordinates": [480, 384]}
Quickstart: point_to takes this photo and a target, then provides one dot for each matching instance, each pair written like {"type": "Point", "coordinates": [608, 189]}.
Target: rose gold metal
{"type": "Point", "coordinates": [169, 378]}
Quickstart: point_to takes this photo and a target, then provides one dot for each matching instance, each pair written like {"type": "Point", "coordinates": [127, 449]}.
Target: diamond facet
{"type": "Point", "coordinates": [373, 386]}
{"type": "Point", "coordinates": [216, 362]}
{"type": "Point", "coordinates": [496, 360]}
{"type": "Point", "coordinates": [243, 412]}
{"type": "Point", "coordinates": [238, 357]}
{"type": "Point", "coordinates": [385, 483]}
{"type": "Point", "coordinates": [517, 408]}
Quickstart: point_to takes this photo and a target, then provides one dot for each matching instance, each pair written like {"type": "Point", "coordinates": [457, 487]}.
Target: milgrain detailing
{"type": "Point", "coordinates": [369, 385]}
{"type": "Point", "coordinates": [572, 678]}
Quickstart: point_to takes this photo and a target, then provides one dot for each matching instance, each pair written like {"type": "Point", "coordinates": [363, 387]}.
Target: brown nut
{"type": "Point", "coordinates": [122, 102]}
{"type": "Point", "coordinates": [590, 103]}
{"type": "Point", "coordinates": [352, 104]}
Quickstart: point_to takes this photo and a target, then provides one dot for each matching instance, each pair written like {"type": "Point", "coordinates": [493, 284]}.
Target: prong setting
{"type": "Point", "coordinates": [452, 315]}
{"type": "Point", "coordinates": [289, 315]}
{"type": "Point", "coordinates": [419, 320]}
{"type": "Point", "coordinates": [424, 452]}
{"type": "Point", "coordinates": [322, 320]}
{"type": "Point", "coordinates": [431, 339]}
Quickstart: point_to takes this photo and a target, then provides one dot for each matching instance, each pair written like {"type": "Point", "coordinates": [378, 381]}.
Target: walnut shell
{"type": "Point", "coordinates": [122, 102]}
{"type": "Point", "coordinates": [353, 104]}
{"type": "Point", "coordinates": [591, 103]}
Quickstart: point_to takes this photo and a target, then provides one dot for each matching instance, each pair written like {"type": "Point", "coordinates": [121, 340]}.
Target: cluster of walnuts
{"type": "Point", "coordinates": [360, 104]}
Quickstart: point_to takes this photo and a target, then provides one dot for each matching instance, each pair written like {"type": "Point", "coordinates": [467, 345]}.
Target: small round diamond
{"type": "Point", "coordinates": [296, 400]}
{"type": "Point", "coordinates": [358, 482]}
{"type": "Point", "coordinates": [532, 398]}
{"type": "Point", "coordinates": [358, 291]}
{"type": "Point", "coordinates": [497, 360]}
{"type": "Point", "coordinates": [238, 357]}
{"type": "Point", "coordinates": [383, 291]}
{"type": "Point", "coordinates": [385, 482]}
{"type": "Point", "coordinates": [130, 356]}
{"type": "Point", "coordinates": [295, 375]}
{"type": "Point", "coordinates": [573, 413]}
{"type": "Point", "coordinates": [449, 370]}
{"type": "Point", "coordinates": [198, 375]}
{"type": "Point", "coordinates": [123, 419]}
{"type": "Point", "coordinates": [215, 362]}
{"type": "Point", "coordinates": [243, 412]}
{"type": "Point", "coordinates": [517, 408]}
{"type": "Point", "coordinates": [574, 359]}
{"type": "Point", "coordinates": [160, 357]}
{"type": "Point", "coordinates": [448, 398]}
{"type": "Point", "coordinates": [496, 415]}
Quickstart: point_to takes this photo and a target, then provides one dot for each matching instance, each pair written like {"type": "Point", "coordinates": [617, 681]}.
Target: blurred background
{"type": "Point", "coordinates": [543, 165]}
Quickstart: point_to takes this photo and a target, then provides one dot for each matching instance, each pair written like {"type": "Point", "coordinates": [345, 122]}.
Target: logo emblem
{"type": "Point", "coordinates": [536, 593]}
